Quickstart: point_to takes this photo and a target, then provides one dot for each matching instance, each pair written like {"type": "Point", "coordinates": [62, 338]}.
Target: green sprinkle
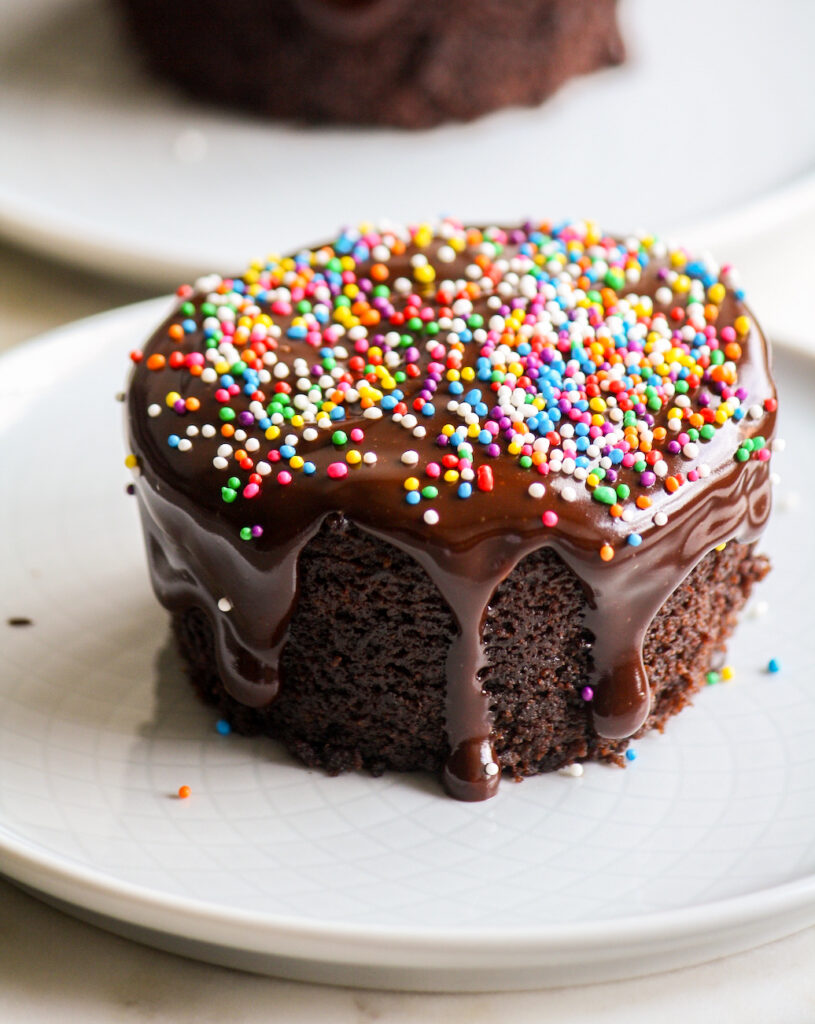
{"type": "Point", "coordinates": [712, 678]}
{"type": "Point", "coordinates": [430, 491]}
{"type": "Point", "coordinates": [742, 455]}
{"type": "Point", "coordinates": [707, 432]}
{"type": "Point", "coordinates": [228, 494]}
{"type": "Point", "coordinates": [233, 482]}
{"type": "Point", "coordinates": [606, 495]}
{"type": "Point", "coordinates": [246, 533]}
{"type": "Point", "coordinates": [339, 438]}
{"type": "Point", "coordinates": [226, 413]}
{"type": "Point", "coordinates": [623, 490]}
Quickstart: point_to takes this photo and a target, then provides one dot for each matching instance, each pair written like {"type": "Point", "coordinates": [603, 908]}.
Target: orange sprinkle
{"type": "Point", "coordinates": [176, 332]}
{"type": "Point", "coordinates": [643, 502]}
{"type": "Point", "coordinates": [192, 404]}
{"type": "Point", "coordinates": [671, 484]}
{"type": "Point", "coordinates": [156, 361]}
{"type": "Point", "coordinates": [606, 552]}
{"type": "Point", "coordinates": [616, 510]}
{"type": "Point", "coordinates": [379, 272]}
{"type": "Point", "coordinates": [733, 350]}
{"type": "Point", "coordinates": [227, 430]}
{"type": "Point", "coordinates": [184, 792]}
{"type": "Point", "coordinates": [659, 433]}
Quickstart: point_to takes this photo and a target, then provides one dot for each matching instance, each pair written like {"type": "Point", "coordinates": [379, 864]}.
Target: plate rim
{"type": "Point", "coordinates": [467, 947]}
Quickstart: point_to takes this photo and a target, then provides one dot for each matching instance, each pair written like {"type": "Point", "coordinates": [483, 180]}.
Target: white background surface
{"type": "Point", "coordinates": [54, 969]}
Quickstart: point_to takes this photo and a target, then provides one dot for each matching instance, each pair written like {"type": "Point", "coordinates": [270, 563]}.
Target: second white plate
{"type": "Point", "coordinates": [107, 168]}
{"type": "Point", "coordinates": [704, 846]}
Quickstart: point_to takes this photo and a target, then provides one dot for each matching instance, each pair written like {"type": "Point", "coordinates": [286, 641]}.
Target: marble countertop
{"type": "Point", "coordinates": [54, 968]}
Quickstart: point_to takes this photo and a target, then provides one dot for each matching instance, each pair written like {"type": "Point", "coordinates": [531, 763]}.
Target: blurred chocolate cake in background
{"type": "Point", "coordinates": [385, 62]}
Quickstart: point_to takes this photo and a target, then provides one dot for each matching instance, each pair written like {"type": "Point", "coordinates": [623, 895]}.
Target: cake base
{"type": "Point", "coordinates": [363, 683]}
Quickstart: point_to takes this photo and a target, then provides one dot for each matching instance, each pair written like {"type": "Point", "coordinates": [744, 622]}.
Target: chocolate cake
{"type": "Point", "coordinates": [458, 499]}
{"type": "Point", "coordinates": [391, 62]}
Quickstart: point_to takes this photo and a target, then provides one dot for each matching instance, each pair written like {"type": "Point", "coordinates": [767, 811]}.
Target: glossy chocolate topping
{"type": "Point", "coordinates": [468, 395]}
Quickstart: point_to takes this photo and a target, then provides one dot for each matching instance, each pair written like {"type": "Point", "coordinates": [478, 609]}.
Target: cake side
{"type": "Point", "coordinates": [365, 686]}
{"type": "Point", "coordinates": [469, 397]}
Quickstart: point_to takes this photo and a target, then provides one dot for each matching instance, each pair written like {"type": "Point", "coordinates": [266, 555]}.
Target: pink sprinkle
{"type": "Point", "coordinates": [357, 434]}
{"type": "Point", "coordinates": [284, 477]}
{"type": "Point", "coordinates": [549, 518]}
{"type": "Point", "coordinates": [728, 334]}
{"type": "Point", "coordinates": [251, 490]}
{"type": "Point", "coordinates": [763, 454]}
{"type": "Point", "coordinates": [433, 469]}
{"type": "Point", "coordinates": [222, 395]}
{"type": "Point", "coordinates": [337, 470]}
{"type": "Point", "coordinates": [693, 476]}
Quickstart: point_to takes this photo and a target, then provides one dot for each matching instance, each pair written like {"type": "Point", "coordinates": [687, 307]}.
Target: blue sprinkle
{"type": "Point", "coordinates": [634, 540]}
{"type": "Point", "coordinates": [774, 665]}
{"type": "Point", "coordinates": [337, 413]}
{"type": "Point", "coordinates": [227, 380]}
{"type": "Point", "coordinates": [465, 489]}
{"type": "Point", "coordinates": [631, 754]}
{"type": "Point", "coordinates": [296, 332]}
{"type": "Point", "coordinates": [455, 388]}
{"type": "Point", "coordinates": [189, 326]}
{"type": "Point", "coordinates": [309, 468]}
{"type": "Point", "coordinates": [413, 497]}
{"type": "Point", "coordinates": [223, 727]}
{"type": "Point", "coordinates": [173, 440]}
{"type": "Point", "coordinates": [428, 409]}
{"type": "Point", "coordinates": [485, 437]}
{"type": "Point", "coordinates": [388, 403]}
{"type": "Point", "coordinates": [287, 450]}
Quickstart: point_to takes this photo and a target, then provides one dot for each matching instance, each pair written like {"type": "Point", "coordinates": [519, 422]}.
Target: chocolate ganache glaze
{"type": "Point", "coordinates": [468, 395]}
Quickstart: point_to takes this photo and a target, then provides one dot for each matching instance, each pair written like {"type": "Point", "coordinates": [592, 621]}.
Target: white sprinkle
{"type": "Point", "coordinates": [154, 410]}
{"type": "Point", "coordinates": [491, 769]}
{"type": "Point", "coordinates": [536, 490]}
{"type": "Point", "coordinates": [690, 450]}
{"type": "Point", "coordinates": [660, 519]}
{"type": "Point", "coordinates": [574, 771]}
{"type": "Point", "coordinates": [263, 468]}
{"type": "Point", "coordinates": [755, 412]}
{"type": "Point", "coordinates": [225, 450]}
{"type": "Point", "coordinates": [775, 479]}
{"type": "Point", "coordinates": [208, 375]}
{"type": "Point", "coordinates": [410, 458]}
{"type": "Point", "coordinates": [759, 609]}
{"type": "Point", "coordinates": [419, 431]}
{"type": "Point", "coordinates": [374, 413]}
{"type": "Point", "coordinates": [224, 604]}
{"type": "Point", "coordinates": [779, 444]}
{"type": "Point", "coordinates": [369, 458]}
{"type": "Point", "coordinates": [310, 434]}
{"type": "Point", "coordinates": [208, 430]}
{"type": "Point", "coordinates": [568, 494]}
{"type": "Point", "coordinates": [252, 444]}
{"type": "Point", "coordinates": [219, 462]}
{"type": "Point", "coordinates": [431, 517]}
{"type": "Point", "coordinates": [240, 435]}
{"type": "Point", "coordinates": [184, 444]}
{"type": "Point", "coordinates": [192, 430]}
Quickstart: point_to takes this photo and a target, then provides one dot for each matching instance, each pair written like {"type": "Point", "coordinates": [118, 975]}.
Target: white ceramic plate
{"type": "Point", "coordinates": [107, 168]}
{"type": "Point", "coordinates": [705, 845]}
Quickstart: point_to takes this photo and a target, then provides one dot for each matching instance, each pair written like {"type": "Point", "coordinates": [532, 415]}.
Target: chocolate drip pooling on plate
{"type": "Point", "coordinates": [249, 589]}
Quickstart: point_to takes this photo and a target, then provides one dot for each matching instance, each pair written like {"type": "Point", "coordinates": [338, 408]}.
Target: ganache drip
{"type": "Point", "coordinates": [469, 396]}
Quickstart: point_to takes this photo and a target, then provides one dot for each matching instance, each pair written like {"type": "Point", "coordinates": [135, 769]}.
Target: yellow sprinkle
{"type": "Point", "coordinates": [423, 236]}
{"type": "Point", "coordinates": [447, 429]}
{"type": "Point", "coordinates": [297, 421]}
{"type": "Point", "coordinates": [172, 398]}
{"type": "Point", "coordinates": [353, 457]}
{"type": "Point", "coordinates": [742, 325]}
{"type": "Point", "coordinates": [716, 292]}
{"type": "Point", "coordinates": [296, 462]}
{"type": "Point", "coordinates": [721, 547]}
{"type": "Point", "coordinates": [411, 484]}
{"type": "Point", "coordinates": [727, 673]}
{"type": "Point", "coordinates": [468, 373]}
{"type": "Point", "coordinates": [131, 461]}
{"type": "Point", "coordinates": [682, 284]}
{"type": "Point", "coordinates": [592, 480]}
{"type": "Point", "coordinates": [272, 432]}
{"type": "Point", "coordinates": [424, 274]}
{"type": "Point", "coordinates": [451, 476]}
{"type": "Point", "coordinates": [597, 405]}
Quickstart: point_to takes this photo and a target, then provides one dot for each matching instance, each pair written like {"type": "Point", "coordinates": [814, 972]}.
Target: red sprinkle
{"type": "Point", "coordinates": [484, 478]}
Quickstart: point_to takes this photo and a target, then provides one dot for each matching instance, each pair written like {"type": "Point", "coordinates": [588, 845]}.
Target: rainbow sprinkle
{"type": "Point", "coordinates": [547, 354]}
